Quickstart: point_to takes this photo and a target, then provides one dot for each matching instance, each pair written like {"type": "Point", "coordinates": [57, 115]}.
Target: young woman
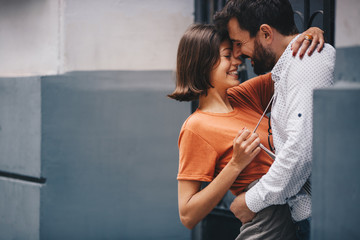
{"type": "Point", "coordinates": [216, 143]}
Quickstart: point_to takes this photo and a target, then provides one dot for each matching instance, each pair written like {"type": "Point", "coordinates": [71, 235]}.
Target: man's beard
{"type": "Point", "coordinates": [264, 60]}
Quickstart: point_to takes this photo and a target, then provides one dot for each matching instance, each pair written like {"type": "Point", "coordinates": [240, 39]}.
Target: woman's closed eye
{"type": "Point", "coordinates": [227, 54]}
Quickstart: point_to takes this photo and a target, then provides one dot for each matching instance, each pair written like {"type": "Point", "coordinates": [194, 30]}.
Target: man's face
{"type": "Point", "coordinates": [243, 44]}
{"type": "Point", "coordinates": [262, 59]}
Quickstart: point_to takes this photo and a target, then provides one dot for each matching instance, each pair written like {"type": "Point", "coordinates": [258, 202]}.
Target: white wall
{"type": "Point", "coordinates": [347, 40]}
{"type": "Point", "coordinates": [347, 23]}
{"type": "Point", "coordinates": [125, 35]}
{"type": "Point", "coordinates": [28, 37]}
{"type": "Point", "coordinates": [44, 37]}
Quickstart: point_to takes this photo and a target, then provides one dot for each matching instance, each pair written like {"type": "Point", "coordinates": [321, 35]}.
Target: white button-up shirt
{"type": "Point", "coordinates": [291, 120]}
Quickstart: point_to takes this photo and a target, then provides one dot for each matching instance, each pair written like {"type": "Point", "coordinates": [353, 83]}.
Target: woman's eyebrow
{"type": "Point", "coordinates": [224, 49]}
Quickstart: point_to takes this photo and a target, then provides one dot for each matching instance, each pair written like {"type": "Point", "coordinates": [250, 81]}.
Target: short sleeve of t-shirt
{"type": "Point", "coordinates": [197, 157]}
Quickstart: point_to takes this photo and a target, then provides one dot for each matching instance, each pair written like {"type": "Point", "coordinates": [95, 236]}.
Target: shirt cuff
{"type": "Point", "coordinates": [254, 201]}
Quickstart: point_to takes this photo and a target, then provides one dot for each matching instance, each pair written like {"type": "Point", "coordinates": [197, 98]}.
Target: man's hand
{"type": "Point", "coordinates": [240, 209]}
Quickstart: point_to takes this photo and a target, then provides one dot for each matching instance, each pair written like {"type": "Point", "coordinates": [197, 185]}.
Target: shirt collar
{"type": "Point", "coordinates": [281, 63]}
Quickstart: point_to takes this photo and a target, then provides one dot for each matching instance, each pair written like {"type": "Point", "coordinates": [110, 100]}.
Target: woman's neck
{"type": "Point", "coordinates": [215, 102]}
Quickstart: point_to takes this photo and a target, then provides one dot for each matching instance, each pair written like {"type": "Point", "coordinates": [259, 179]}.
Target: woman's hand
{"type": "Point", "coordinates": [310, 45]}
{"type": "Point", "coordinates": [246, 147]}
{"type": "Point", "coordinates": [194, 203]}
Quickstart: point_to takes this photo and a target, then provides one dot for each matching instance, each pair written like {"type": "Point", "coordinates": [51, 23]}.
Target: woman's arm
{"type": "Point", "coordinates": [194, 204]}
{"type": "Point", "coordinates": [256, 92]}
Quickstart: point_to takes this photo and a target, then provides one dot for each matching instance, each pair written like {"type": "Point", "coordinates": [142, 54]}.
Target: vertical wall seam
{"type": "Point", "coordinates": [60, 38]}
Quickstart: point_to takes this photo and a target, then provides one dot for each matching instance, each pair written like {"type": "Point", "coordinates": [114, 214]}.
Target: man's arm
{"type": "Point", "coordinates": [292, 165]}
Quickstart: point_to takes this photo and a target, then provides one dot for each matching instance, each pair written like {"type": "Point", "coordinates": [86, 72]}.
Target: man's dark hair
{"type": "Point", "coordinates": [252, 13]}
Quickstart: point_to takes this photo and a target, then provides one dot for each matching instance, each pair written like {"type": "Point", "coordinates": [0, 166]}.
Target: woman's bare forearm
{"type": "Point", "coordinates": [193, 208]}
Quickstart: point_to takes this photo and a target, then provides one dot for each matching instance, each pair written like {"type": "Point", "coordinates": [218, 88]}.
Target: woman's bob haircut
{"type": "Point", "coordinates": [198, 53]}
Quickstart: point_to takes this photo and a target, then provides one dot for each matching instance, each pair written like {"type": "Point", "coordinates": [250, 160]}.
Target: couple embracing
{"type": "Point", "coordinates": [266, 163]}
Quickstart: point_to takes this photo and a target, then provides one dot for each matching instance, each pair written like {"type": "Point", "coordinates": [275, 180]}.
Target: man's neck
{"type": "Point", "coordinates": [281, 44]}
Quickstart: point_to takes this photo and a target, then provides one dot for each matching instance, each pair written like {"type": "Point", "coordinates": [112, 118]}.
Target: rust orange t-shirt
{"type": "Point", "coordinates": [206, 139]}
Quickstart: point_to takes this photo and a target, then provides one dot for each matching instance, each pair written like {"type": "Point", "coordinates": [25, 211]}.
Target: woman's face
{"type": "Point", "coordinates": [224, 74]}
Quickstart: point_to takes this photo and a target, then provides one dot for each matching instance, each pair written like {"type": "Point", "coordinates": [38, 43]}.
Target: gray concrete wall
{"type": "Point", "coordinates": [90, 155]}
{"type": "Point", "coordinates": [336, 193]}
{"type": "Point", "coordinates": [20, 125]}
{"type": "Point", "coordinates": [109, 152]}
{"type": "Point", "coordinates": [19, 209]}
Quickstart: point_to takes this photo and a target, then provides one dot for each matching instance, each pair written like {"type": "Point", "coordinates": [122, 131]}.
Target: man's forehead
{"type": "Point", "coordinates": [236, 33]}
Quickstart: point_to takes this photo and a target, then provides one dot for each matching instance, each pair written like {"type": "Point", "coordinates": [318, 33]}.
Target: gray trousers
{"type": "Point", "coordinates": [272, 223]}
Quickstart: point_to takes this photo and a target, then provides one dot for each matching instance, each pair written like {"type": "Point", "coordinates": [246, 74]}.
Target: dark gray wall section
{"type": "Point", "coordinates": [336, 178]}
{"type": "Point", "coordinates": [20, 101]}
{"type": "Point", "coordinates": [109, 153]}
{"type": "Point", "coordinates": [347, 64]}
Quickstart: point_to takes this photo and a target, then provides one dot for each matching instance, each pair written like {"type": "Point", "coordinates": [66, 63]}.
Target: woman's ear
{"type": "Point", "coordinates": [266, 33]}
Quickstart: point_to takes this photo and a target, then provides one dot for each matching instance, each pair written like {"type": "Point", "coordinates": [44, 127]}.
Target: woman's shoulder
{"type": "Point", "coordinates": [195, 121]}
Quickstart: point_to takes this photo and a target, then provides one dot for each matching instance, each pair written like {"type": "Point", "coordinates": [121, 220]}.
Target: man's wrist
{"type": "Point", "coordinates": [254, 201]}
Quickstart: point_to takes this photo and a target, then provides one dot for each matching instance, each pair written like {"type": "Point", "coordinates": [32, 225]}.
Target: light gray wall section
{"type": "Point", "coordinates": [336, 192]}
{"type": "Point", "coordinates": [19, 210]}
{"type": "Point", "coordinates": [109, 153]}
{"type": "Point", "coordinates": [29, 42]}
{"type": "Point", "coordinates": [123, 35]}
{"type": "Point", "coordinates": [47, 37]}
{"type": "Point", "coordinates": [346, 23]}
{"type": "Point", "coordinates": [20, 134]}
